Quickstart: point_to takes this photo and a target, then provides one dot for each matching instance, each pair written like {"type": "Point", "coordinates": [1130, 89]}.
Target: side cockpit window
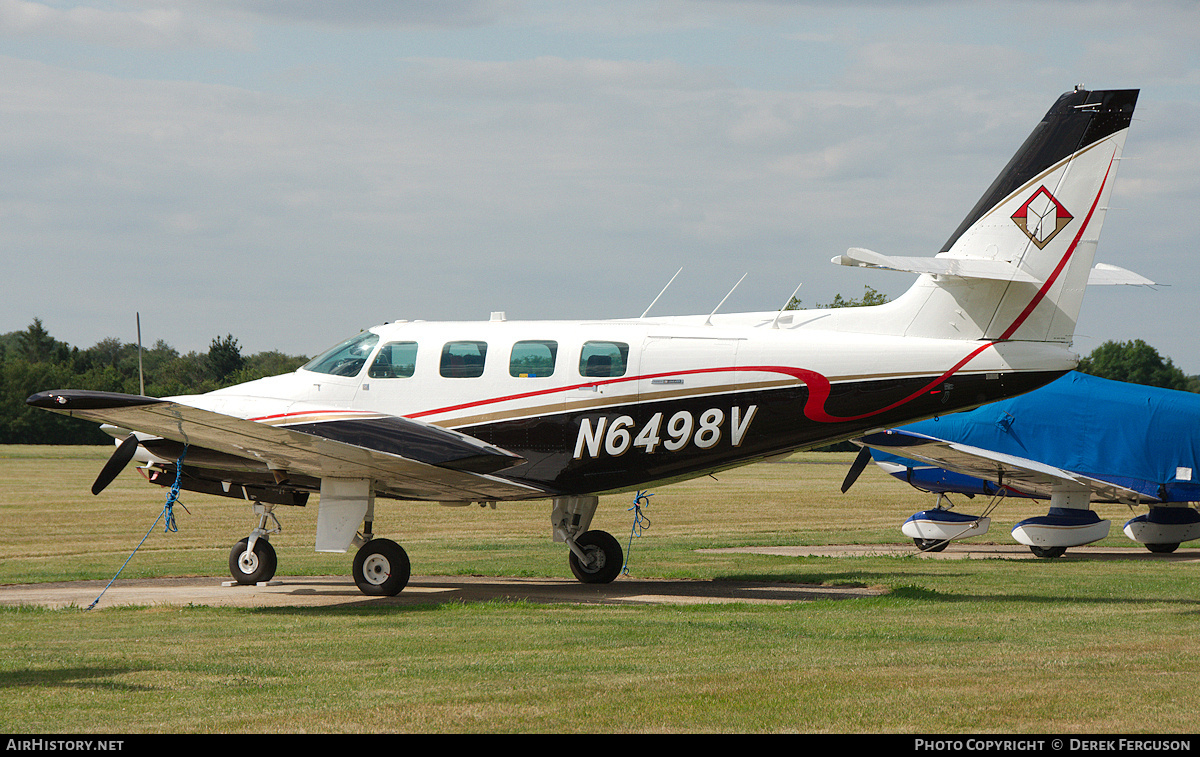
{"type": "Point", "coordinates": [603, 359]}
{"type": "Point", "coordinates": [533, 359]}
{"type": "Point", "coordinates": [347, 358]}
{"type": "Point", "coordinates": [395, 360]}
{"type": "Point", "coordinates": [463, 359]}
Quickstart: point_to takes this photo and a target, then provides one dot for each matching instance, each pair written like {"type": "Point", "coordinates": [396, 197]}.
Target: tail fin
{"type": "Point", "coordinates": [1018, 265]}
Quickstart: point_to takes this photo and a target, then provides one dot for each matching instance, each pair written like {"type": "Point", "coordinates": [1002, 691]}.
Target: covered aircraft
{"type": "Point", "coordinates": [566, 411]}
{"type": "Point", "coordinates": [1077, 441]}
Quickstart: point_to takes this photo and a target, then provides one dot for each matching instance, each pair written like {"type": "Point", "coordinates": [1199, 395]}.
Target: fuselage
{"type": "Point", "coordinates": [616, 405]}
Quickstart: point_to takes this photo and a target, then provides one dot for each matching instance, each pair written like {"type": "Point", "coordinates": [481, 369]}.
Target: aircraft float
{"type": "Point", "coordinates": [1077, 441]}
{"type": "Point", "coordinates": [501, 411]}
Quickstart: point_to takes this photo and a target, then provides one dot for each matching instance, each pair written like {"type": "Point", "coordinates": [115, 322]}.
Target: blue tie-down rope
{"type": "Point", "coordinates": [640, 523]}
{"type": "Point", "coordinates": [168, 512]}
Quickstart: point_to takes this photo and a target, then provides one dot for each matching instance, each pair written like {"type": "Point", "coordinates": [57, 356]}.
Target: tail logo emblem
{"type": "Point", "coordinates": [1042, 217]}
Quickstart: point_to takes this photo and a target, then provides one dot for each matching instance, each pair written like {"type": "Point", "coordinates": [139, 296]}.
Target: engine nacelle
{"type": "Point", "coordinates": [1165, 525]}
{"type": "Point", "coordinates": [1061, 527]}
{"type": "Point", "coordinates": [944, 525]}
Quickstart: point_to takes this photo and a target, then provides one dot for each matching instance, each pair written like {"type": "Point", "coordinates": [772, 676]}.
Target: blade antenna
{"type": "Point", "coordinates": [708, 322]}
{"type": "Point", "coordinates": [141, 375]}
{"type": "Point", "coordinates": [775, 323]}
{"type": "Point", "coordinates": [660, 294]}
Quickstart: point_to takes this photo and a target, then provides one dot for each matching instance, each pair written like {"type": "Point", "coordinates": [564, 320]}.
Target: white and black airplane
{"type": "Point", "coordinates": [499, 410]}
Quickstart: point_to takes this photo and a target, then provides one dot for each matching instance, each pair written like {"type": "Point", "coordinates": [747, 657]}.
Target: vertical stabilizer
{"type": "Point", "coordinates": [1041, 216]}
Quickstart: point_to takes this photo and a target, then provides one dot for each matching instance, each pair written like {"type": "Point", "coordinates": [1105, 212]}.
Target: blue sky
{"type": "Point", "coordinates": [291, 172]}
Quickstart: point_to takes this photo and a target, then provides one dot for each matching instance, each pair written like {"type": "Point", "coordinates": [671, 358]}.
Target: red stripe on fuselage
{"type": "Point", "coordinates": [819, 388]}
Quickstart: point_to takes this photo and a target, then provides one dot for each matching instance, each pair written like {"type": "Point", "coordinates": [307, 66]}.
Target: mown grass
{"type": "Point", "coordinates": [1072, 645]}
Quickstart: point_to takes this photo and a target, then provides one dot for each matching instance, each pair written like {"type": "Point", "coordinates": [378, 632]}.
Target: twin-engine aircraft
{"type": "Point", "coordinates": [1077, 441]}
{"type": "Point", "coordinates": [507, 411]}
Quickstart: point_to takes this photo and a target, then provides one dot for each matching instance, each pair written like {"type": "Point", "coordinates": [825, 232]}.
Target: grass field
{"type": "Point", "coordinates": [1073, 645]}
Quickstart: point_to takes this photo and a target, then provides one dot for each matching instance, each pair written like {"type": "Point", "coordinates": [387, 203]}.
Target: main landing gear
{"type": "Point", "coordinates": [381, 567]}
{"type": "Point", "coordinates": [595, 556]}
{"type": "Point", "coordinates": [252, 560]}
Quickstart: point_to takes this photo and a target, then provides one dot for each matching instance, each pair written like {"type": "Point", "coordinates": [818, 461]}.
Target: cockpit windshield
{"type": "Point", "coordinates": [346, 359]}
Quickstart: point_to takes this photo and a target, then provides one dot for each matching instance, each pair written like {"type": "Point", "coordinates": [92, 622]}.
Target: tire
{"type": "Point", "coordinates": [931, 545]}
{"type": "Point", "coordinates": [606, 558]}
{"type": "Point", "coordinates": [249, 568]}
{"type": "Point", "coordinates": [1163, 549]}
{"type": "Point", "coordinates": [1048, 551]}
{"type": "Point", "coordinates": [381, 568]}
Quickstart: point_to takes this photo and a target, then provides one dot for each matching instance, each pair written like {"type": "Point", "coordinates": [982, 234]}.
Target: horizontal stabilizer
{"type": "Point", "coordinates": [1110, 275]}
{"type": "Point", "coordinates": [968, 268]}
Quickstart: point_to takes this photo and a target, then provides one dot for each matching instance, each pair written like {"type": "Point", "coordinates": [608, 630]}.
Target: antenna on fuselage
{"type": "Point", "coordinates": [775, 323]}
{"type": "Point", "coordinates": [660, 294]}
{"type": "Point", "coordinates": [708, 321]}
{"type": "Point", "coordinates": [141, 375]}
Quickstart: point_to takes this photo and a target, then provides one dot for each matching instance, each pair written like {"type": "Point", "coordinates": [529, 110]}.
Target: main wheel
{"type": "Point", "coordinates": [931, 545]}
{"type": "Point", "coordinates": [1048, 551]}
{"type": "Point", "coordinates": [381, 568]}
{"type": "Point", "coordinates": [248, 568]}
{"type": "Point", "coordinates": [1164, 548]}
{"type": "Point", "coordinates": [604, 557]}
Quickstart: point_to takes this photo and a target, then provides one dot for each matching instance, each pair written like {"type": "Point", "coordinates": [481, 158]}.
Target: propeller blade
{"type": "Point", "coordinates": [856, 469]}
{"type": "Point", "coordinates": [116, 463]}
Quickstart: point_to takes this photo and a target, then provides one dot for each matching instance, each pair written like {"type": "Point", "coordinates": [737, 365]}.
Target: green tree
{"type": "Point", "coordinates": [870, 297]}
{"type": "Point", "coordinates": [224, 357]}
{"type": "Point", "coordinates": [264, 364]}
{"type": "Point", "coordinates": [36, 345]}
{"type": "Point", "coordinates": [1134, 362]}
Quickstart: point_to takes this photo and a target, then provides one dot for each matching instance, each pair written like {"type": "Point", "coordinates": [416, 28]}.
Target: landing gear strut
{"type": "Point", "coordinates": [595, 557]}
{"type": "Point", "coordinates": [252, 560]}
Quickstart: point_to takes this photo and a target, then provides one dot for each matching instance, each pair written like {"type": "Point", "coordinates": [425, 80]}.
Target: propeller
{"type": "Point", "coordinates": [116, 463]}
{"type": "Point", "coordinates": [856, 469]}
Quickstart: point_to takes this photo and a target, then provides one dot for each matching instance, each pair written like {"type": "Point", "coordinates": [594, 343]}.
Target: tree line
{"type": "Point", "coordinates": [32, 361]}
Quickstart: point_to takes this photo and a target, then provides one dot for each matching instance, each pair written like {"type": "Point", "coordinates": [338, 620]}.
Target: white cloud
{"type": "Point", "coordinates": [152, 27]}
{"type": "Point", "coordinates": [469, 167]}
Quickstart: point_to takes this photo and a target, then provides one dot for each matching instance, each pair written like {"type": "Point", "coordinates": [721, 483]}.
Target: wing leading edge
{"type": "Point", "coordinates": [1022, 476]}
{"type": "Point", "coordinates": [408, 458]}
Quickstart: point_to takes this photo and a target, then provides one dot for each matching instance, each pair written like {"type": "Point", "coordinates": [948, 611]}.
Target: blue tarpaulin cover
{"type": "Point", "coordinates": [1139, 437]}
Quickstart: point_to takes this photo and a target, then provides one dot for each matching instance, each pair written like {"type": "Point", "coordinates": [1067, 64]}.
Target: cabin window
{"type": "Point", "coordinates": [532, 359]}
{"type": "Point", "coordinates": [346, 359]}
{"type": "Point", "coordinates": [603, 359]}
{"type": "Point", "coordinates": [463, 359]}
{"type": "Point", "coordinates": [395, 360]}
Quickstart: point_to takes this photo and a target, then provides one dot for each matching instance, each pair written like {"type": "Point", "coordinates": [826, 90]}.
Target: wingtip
{"type": "Point", "coordinates": [83, 399]}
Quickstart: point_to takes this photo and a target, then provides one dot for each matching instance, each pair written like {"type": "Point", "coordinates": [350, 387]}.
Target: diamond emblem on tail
{"type": "Point", "coordinates": [1041, 217]}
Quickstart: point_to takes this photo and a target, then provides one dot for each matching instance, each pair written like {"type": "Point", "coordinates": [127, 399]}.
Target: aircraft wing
{"type": "Point", "coordinates": [409, 458]}
{"type": "Point", "coordinates": [1028, 477]}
